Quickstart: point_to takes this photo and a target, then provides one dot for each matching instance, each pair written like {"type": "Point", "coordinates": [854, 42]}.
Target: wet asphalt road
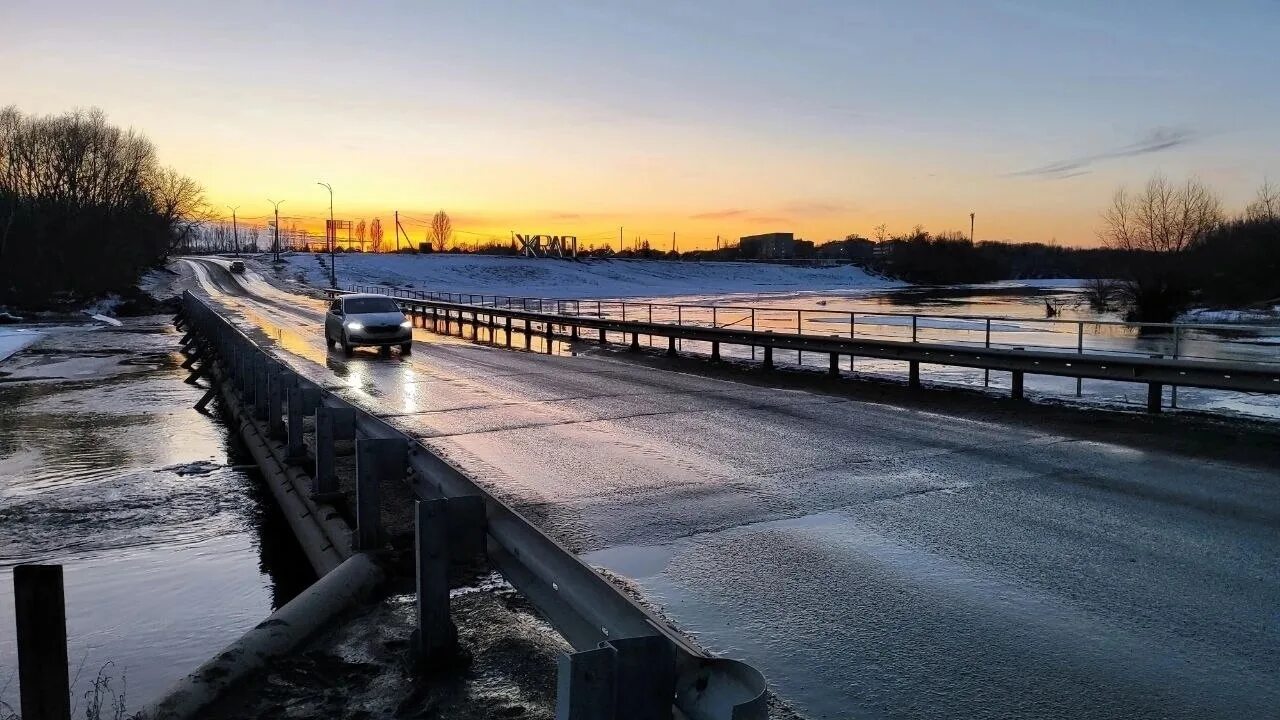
{"type": "Point", "coordinates": [873, 561]}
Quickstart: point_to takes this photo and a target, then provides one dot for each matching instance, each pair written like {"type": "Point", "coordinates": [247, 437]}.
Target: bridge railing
{"type": "Point", "coordinates": [1156, 370]}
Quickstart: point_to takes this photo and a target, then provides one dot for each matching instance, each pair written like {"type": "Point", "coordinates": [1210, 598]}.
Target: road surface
{"type": "Point", "coordinates": [874, 560]}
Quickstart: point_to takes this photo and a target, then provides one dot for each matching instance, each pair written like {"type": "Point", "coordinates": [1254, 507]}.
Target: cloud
{"type": "Point", "coordinates": [1156, 140]}
{"type": "Point", "coordinates": [768, 220]}
{"type": "Point", "coordinates": [814, 207]}
{"type": "Point", "coordinates": [565, 216]}
{"type": "Point", "coordinates": [718, 215]}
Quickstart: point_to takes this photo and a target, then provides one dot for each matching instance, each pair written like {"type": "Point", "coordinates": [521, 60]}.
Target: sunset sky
{"type": "Point", "coordinates": [701, 118]}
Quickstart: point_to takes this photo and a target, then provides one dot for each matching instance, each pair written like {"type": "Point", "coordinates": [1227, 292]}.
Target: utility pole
{"type": "Point", "coordinates": [331, 235]}
{"type": "Point", "coordinates": [276, 241]}
{"type": "Point", "coordinates": [673, 241]}
{"type": "Point", "coordinates": [397, 231]}
{"type": "Point", "coordinates": [970, 228]}
{"type": "Point", "coordinates": [235, 232]}
{"type": "Point", "coordinates": [717, 242]}
{"type": "Point", "coordinates": [622, 244]}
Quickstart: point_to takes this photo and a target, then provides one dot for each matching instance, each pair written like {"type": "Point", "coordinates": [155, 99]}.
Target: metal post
{"type": "Point", "coordinates": [853, 331]}
{"type": "Point", "coordinates": [913, 328]}
{"type": "Point", "coordinates": [913, 373]}
{"type": "Point", "coordinates": [332, 424]}
{"type": "Point", "coordinates": [715, 351]}
{"type": "Point", "coordinates": [40, 611]}
{"type": "Point", "coordinates": [1079, 351]}
{"type": "Point", "coordinates": [753, 329]}
{"type": "Point", "coordinates": [508, 330]}
{"type": "Point", "coordinates": [671, 346]}
{"type": "Point", "coordinates": [986, 372]}
{"type": "Point", "coordinates": [834, 370]}
{"type": "Point", "coordinates": [528, 335]}
{"type": "Point", "coordinates": [1177, 347]}
{"type": "Point", "coordinates": [377, 459]}
{"type": "Point", "coordinates": [1016, 385]}
{"type": "Point", "coordinates": [436, 636]}
{"type": "Point", "coordinates": [301, 401]}
{"type": "Point", "coordinates": [799, 331]}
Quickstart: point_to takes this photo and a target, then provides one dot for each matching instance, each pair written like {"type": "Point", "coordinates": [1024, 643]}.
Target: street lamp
{"type": "Point", "coordinates": [331, 235]}
{"type": "Point", "coordinates": [235, 232]}
{"type": "Point", "coordinates": [276, 241]}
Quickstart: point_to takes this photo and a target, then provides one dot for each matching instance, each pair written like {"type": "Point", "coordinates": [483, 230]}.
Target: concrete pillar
{"type": "Point", "coordinates": [913, 373]}
{"type": "Point", "coordinates": [332, 424]}
{"type": "Point", "coordinates": [1015, 381]}
{"type": "Point", "coordinates": [377, 459]}
{"type": "Point", "coordinates": [1154, 393]}
{"type": "Point", "coordinates": [436, 637]}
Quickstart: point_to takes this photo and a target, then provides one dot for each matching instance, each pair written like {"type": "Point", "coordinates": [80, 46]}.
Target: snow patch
{"type": "Point", "coordinates": [12, 340]}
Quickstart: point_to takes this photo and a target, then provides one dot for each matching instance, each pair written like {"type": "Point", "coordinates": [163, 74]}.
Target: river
{"type": "Point", "coordinates": [170, 546]}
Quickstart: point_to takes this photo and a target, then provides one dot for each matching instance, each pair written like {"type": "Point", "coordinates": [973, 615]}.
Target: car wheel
{"type": "Point", "coordinates": [406, 348]}
{"type": "Point", "coordinates": [384, 351]}
{"type": "Point", "coordinates": [347, 348]}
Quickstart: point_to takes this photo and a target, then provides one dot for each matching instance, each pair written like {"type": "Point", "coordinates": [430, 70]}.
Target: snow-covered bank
{"type": "Point", "coordinates": [594, 278]}
{"type": "Point", "coordinates": [13, 340]}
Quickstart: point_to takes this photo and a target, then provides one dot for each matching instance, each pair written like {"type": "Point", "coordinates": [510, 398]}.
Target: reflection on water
{"type": "Point", "coordinates": [170, 551]}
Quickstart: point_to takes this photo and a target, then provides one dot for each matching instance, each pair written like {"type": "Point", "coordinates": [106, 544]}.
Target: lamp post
{"type": "Point", "coordinates": [330, 236]}
{"type": "Point", "coordinates": [235, 231]}
{"type": "Point", "coordinates": [276, 241]}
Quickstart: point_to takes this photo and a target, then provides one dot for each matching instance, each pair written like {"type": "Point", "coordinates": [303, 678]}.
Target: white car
{"type": "Point", "coordinates": [376, 320]}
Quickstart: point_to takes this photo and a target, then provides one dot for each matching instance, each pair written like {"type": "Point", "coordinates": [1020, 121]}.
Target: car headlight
{"type": "Point", "coordinates": [406, 324]}
{"type": "Point", "coordinates": [355, 325]}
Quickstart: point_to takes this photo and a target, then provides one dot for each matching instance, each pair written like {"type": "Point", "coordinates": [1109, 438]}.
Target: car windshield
{"type": "Point", "coordinates": [371, 305]}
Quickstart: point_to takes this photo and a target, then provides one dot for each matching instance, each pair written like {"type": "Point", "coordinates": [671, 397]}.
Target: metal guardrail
{"type": "Point", "coordinates": [611, 634]}
{"type": "Point", "coordinates": [1155, 372]}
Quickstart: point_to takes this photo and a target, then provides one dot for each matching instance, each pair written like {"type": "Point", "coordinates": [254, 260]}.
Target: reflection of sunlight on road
{"type": "Point", "coordinates": [409, 382]}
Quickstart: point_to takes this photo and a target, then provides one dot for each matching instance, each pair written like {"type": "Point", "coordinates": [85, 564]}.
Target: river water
{"type": "Point", "coordinates": [959, 315]}
{"type": "Point", "coordinates": [170, 546]}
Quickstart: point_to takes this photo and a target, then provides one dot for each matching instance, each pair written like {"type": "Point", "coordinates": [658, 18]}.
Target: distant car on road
{"type": "Point", "coordinates": [237, 266]}
{"type": "Point", "coordinates": [367, 319]}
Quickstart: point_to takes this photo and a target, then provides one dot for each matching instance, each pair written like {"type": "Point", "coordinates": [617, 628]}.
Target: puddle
{"type": "Point", "coordinates": [170, 546]}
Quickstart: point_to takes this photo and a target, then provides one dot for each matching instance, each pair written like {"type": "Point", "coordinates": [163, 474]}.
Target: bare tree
{"type": "Point", "coordinates": [441, 230]}
{"type": "Point", "coordinates": [360, 234]}
{"type": "Point", "coordinates": [375, 234]}
{"type": "Point", "coordinates": [882, 232]}
{"type": "Point", "coordinates": [1266, 206]}
{"type": "Point", "coordinates": [1163, 218]}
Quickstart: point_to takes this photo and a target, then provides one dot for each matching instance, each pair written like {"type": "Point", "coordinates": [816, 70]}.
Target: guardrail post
{"type": "Point", "coordinates": [834, 369]}
{"type": "Point", "coordinates": [40, 609]}
{"type": "Point", "coordinates": [1154, 391]}
{"type": "Point", "coordinates": [278, 384]}
{"type": "Point", "coordinates": [715, 351]}
{"type": "Point", "coordinates": [475, 325]}
{"type": "Point", "coordinates": [1015, 382]}
{"type": "Point", "coordinates": [635, 342]}
{"type": "Point", "coordinates": [332, 424]}
{"type": "Point", "coordinates": [528, 335]}
{"type": "Point", "coordinates": [633, 678]}
{"type": "Point", "coordinates": [551, 337]}
{"type": "Point", "coordinates": [768, 357]}
{"type": "Point", "coordinates": [261, 384]}
{"type": "Point", "coordinates": [301, 402]}
{"type": "Point", "coordinates": [508, 331]}
{"type": "Point", "coordinates": [913, 373]}
{"type": "Point", "coordinates": [671, 346]}
{"type": "Point", "coordinates": [377, 459]}
{"type": "Point", "coordinates": [492, 325]}
{"type": "Point", "coordinates": [602, 337]}
{"type": "Point", "coordinates": [435, 320]}
{"type": "Point", "coordinates": [436, 637]}
{"type": "Point", "coordinates": [573, 332]}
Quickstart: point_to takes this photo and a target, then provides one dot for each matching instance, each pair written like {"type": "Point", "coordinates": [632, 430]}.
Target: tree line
{"type": "Point", "coordinates": [85, 207]}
